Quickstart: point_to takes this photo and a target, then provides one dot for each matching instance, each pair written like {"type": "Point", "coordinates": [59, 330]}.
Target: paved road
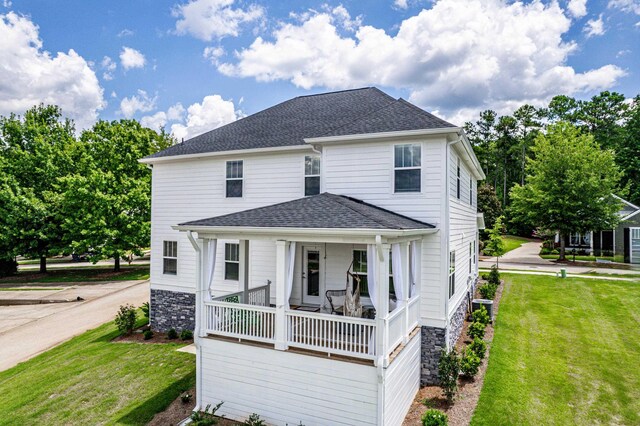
{"type": "Point", "coordinates": [65, 265]}
{"type": "Point", "coordinates": [526, 258]}
{"type": "Point", "coordinates": [26, 331]}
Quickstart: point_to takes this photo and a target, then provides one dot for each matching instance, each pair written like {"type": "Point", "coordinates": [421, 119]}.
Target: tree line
{"type": "Point", "coordinates": [63, 194]}
{"type": "Point", "coordinates": [556, 167]}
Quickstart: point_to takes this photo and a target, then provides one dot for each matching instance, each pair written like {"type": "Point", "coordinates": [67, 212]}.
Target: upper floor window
{"type": "Point", "coordinates": [311, 175]}
{"type": "Point", "coordinates": [234, 179]}
{"type": "Point", "coordinates": [471, 190]}
{"type": "Point", "coordinates": [458, 180]}
{"type": "Point", "coordinates": [407, 163]}
{"type": "Point", "coordinates": [231, 261]}
{"type": "Point", "coordinates": [170, 257]}
{"type": "Point", "coordinates": [452, 273]}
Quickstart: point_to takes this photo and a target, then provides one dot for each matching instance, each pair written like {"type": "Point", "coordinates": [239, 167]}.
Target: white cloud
{"type": "Point", "coordinates": [402, 4]}
{"type": "Point", "coordinates": [30, 75]}
{"type": "Point", "coordinates": [457, 55]}
{"type": "Point", "coordinates": [209, 19]}
{"type": "Point", "coordinates": [594, 27]}
{"type": "Point", "coordinates": [109, 66]}
{"type": "Point", "coordinates": [213, 112]}
{"type": "Point", "coordinates": [629, 6]}
{"type": "Point", "coordinates": [344, 18]}
{"type": "Point", "coordinates": [125, 33]}
{"type": "Point", "coordinates": [577, 8]}
{"type": "Point", "coordinates": [141, 102]}
{"type": "Point", "coordinates": [131, 58]}
{"type": "Point", "coordinates": [161, 118]}
{"type": "Point", "coordinates": [213, 54]}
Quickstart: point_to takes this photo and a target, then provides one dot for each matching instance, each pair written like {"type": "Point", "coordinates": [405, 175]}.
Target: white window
{"type": "Point", "coordinates": [470, 190]}
{"type": "Point", "coordinates": [170, 257]}
{"type": "Point", "coordinates": [360, 270]}
{"type": "Point", "coordinates": [458, 180]}
{"type": "Point", "coordinates": [311, 175]}
{"type": "Point", "coordinates": [475, 252]}
{"type": "Point", "coordinates": [234, 179]}
{"type": "Point", "coordinates": [407, 163]}
{"type": "Point", "coordinates": [470, 256]}
{"type": "Point", "coordinates": [231, 261]}
{"type": "Point", "coordinates": [452, 273]}
{"type": "Point", "coordinates": [574, 239]}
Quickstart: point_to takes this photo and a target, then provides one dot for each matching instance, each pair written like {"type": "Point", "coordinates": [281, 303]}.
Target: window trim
{"type": "Point", "coordinates": [226, 261]}
{"type": "Point", "coordinates": [471, 190]}
{"type": "Point", "coordinates": [304, 171]}
{"type": "Point", "coordinates": [365, 273]}
{"type": "Point", "coordinates": [470, 256]}
{"type": "Point", "coordinates": [395, 191]}
{"type": "Point", "coordinates": [452, 273]}
{"type": "Point", "coordinates": [458, 191]}
{"type": "Point", "coordinates": [227, 179]}
{"type": "Point", "coordinates": [165, 256]}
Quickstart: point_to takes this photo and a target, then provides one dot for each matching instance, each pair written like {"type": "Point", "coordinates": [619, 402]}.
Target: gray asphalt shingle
{"type": "Point", "coordinates": [319, 211]}
{"type": "Point", "coordinates": [358, 111]}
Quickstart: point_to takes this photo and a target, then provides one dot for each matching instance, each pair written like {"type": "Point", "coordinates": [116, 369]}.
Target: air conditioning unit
{"type": "Point", "coordinates": [488, 305]}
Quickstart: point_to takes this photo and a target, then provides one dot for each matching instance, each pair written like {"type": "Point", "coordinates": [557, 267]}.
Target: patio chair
{"type": "Point", "coordinates": [336, 300]}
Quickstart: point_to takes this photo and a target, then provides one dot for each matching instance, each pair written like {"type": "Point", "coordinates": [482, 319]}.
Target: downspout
{"type": "Point", "coordinates": [196, 334]}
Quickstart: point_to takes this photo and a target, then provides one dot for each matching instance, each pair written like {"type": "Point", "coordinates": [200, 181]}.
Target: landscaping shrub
{"type": "Point", "coordinates": [148, 334]}
{"type": "Point", "coordinates": [469, 363]}
{"type": "Point", "coordinates": [485, 277]}
{"type": "Point", "coordinates": [479, 347]}
{"type": "Point", "coordinates": [126, 319]}
{"type": "Point", "coordinates": [172, 334]}
{"type": "Point", "coordinates": [145, 309]}
{"type": "Point", "coordinates": [494, 276]}
{"type": "Point", "coordinates": [548, 250]}
{"type": "Point", "coordinates": [488, 291]}
{"type": "Point", "coordinates": [476, 330]}
{"type": "Point", "coordinates": [254, 420]}
{"type": "Point", "coordinates": [480, 315]}
{"type": "Point", "coordinates": [434, 418]}
{"type": "Point", "coordinates": [448, 372]}
{"type": "Point", "coordinates": [186, 335]}
{"type": "Point", "coordinates": [186, 397]}
{"type": "Point", "coordinates": [205, 418]}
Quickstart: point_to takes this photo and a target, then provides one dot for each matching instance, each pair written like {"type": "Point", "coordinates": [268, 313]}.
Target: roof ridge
{"type": "Point", "coordinates": [337, 91]}
{"type": "Point", "coordinates": [379, 221]}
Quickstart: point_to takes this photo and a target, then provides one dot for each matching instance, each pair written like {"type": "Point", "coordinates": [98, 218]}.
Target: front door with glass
{"type": "Point", "coordinates": [312, 279]}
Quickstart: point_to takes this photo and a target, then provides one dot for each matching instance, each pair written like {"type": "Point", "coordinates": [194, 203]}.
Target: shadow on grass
{"type": "Point", "coordinates": [144, 412]}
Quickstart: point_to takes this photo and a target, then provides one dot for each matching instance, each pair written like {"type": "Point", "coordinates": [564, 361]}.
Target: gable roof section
{"type": "Point", "coordinates": [323, 211]}
{"type": "Point", "coordinates": [367, 110]}
{"type": "Point", "coordinates": [628, 209]}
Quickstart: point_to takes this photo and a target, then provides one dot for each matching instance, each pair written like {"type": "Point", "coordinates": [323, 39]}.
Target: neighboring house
{"type": "Point", "coordinates": [621, 243]}
{"type": "Point", "coordinates": [252, 224]}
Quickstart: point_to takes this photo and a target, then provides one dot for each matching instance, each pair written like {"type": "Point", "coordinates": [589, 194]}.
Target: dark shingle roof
{"type": "Point", "coordinates": [319, 211]}
{"type": "Point", "coordinates": [367, 110]}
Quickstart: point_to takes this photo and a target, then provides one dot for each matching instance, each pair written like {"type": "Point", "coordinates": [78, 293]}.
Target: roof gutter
{"type": "Point", "coordinates": [283, 232]}
{"type": "Point", "coordinates": [232, 153]}
{"type": "Point", "coordinates": [469, 150]}
{"type": "Point", "coordinates": [382, 135]}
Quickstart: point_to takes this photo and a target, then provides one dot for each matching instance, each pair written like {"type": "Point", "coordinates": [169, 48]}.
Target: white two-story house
{"type": "Point", "coordinates": [262, 226]}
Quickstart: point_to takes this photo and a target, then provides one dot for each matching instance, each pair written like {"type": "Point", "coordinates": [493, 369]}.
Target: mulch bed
{"type": "Point", "coordinates": [461, 411]}
{"type": "Point", "coordinates": [177, 411]}
{"type": "Point", "coordinates": [138, 337]}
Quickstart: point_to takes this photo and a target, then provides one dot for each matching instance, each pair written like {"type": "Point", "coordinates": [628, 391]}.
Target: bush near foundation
{"type": "Point", "coordinates": [476, 330]}
{"type": "Point", "coordinates": [434, 417]}
{"type": "Point", "coordinates": [126, 319]}
{"type": "Point", "coordinates": [469, 363]}
{"type": "Point", "coordinates": [479, 347]}
{"type": "Point", "coordinates": [448, 372]}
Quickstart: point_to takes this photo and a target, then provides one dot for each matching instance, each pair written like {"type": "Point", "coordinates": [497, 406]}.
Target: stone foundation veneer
{"type": "Point", "coordinates": [433, 341]}
{"type": "Point", "coordinates": [172, 309]}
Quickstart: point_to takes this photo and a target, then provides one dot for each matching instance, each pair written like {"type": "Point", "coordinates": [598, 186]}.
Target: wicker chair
{"type": "Point", "coordinates": [336, 300]}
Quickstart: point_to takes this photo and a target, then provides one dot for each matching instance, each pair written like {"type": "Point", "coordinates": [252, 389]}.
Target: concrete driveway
{"type": "Point", "coordinates": [27, 330]}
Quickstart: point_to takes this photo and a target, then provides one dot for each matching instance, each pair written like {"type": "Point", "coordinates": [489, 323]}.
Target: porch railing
{"type": "Point", "coordinates": [229, 319]}
{"type": "Point", "coordinates": [395, 329]}
{"type": "Point", "coordinates": [331, 334]}
{"type": "Point", "coordinates": [257, 296]}
{"type": "Point", "coordinates": [414, 313]}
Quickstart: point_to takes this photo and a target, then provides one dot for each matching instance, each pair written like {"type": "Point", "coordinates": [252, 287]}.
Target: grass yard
{"type": "Point", "coordinates": [512, 242]}
{"type": "Point", "coordinates": [80, 274]}
{"type": "Point", "coordinates": [569, 256]}
{"type": "Point", "coordinates": [565, 352]}
{"type": "Point", "coordinates": [91, 381]}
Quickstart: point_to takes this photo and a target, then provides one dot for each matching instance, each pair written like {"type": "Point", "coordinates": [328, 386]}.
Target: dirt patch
{"type": "Point", "coordinates": [461, 411]}
{"type": "Point", "coordinates": [177, 411]}
{"type": "Point", "coordinates": [138, 337]}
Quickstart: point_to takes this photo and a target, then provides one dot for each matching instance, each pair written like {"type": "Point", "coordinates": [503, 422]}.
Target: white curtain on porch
{"type": "Point", "coordinates": [213, 246]}
{"type": "Point", "coordinates": [396, 270]}
{"type": "Point", "coordinates": [289, 278]}
{"type": "Point", "coordinates": [413, 268]}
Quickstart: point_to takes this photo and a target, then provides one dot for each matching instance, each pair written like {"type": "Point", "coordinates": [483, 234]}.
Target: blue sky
{"type": "Point", "coordinates": [194, 65]}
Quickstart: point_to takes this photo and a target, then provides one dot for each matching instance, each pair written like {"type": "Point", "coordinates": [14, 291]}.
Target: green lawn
{"type": "Point", "coordinates": [512, 242]}
{"type": "Point", "coordinates": [617, 258]}
{"type": "Point", "coordinates": [91, 381]}
{"type": "Point", "coordinates": [565, 352]}
{"type": "Point", "coordinates": [80, 274]}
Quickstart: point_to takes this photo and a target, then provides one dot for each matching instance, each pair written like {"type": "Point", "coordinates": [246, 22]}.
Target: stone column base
{"type": "Point", "coordinates": [172, 309]}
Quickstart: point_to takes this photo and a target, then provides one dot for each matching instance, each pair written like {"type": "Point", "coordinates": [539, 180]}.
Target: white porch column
{"type": "Point", "coordinates": [202, 267]}
{"type": "Point", "coordinates": [281, 295]}
{"type": "Point", "coordinates": [382, 282]}
{"type": "Point", "coordinates": [243, 273]}
{"type": "Point", "coordinates": [406, 284]}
